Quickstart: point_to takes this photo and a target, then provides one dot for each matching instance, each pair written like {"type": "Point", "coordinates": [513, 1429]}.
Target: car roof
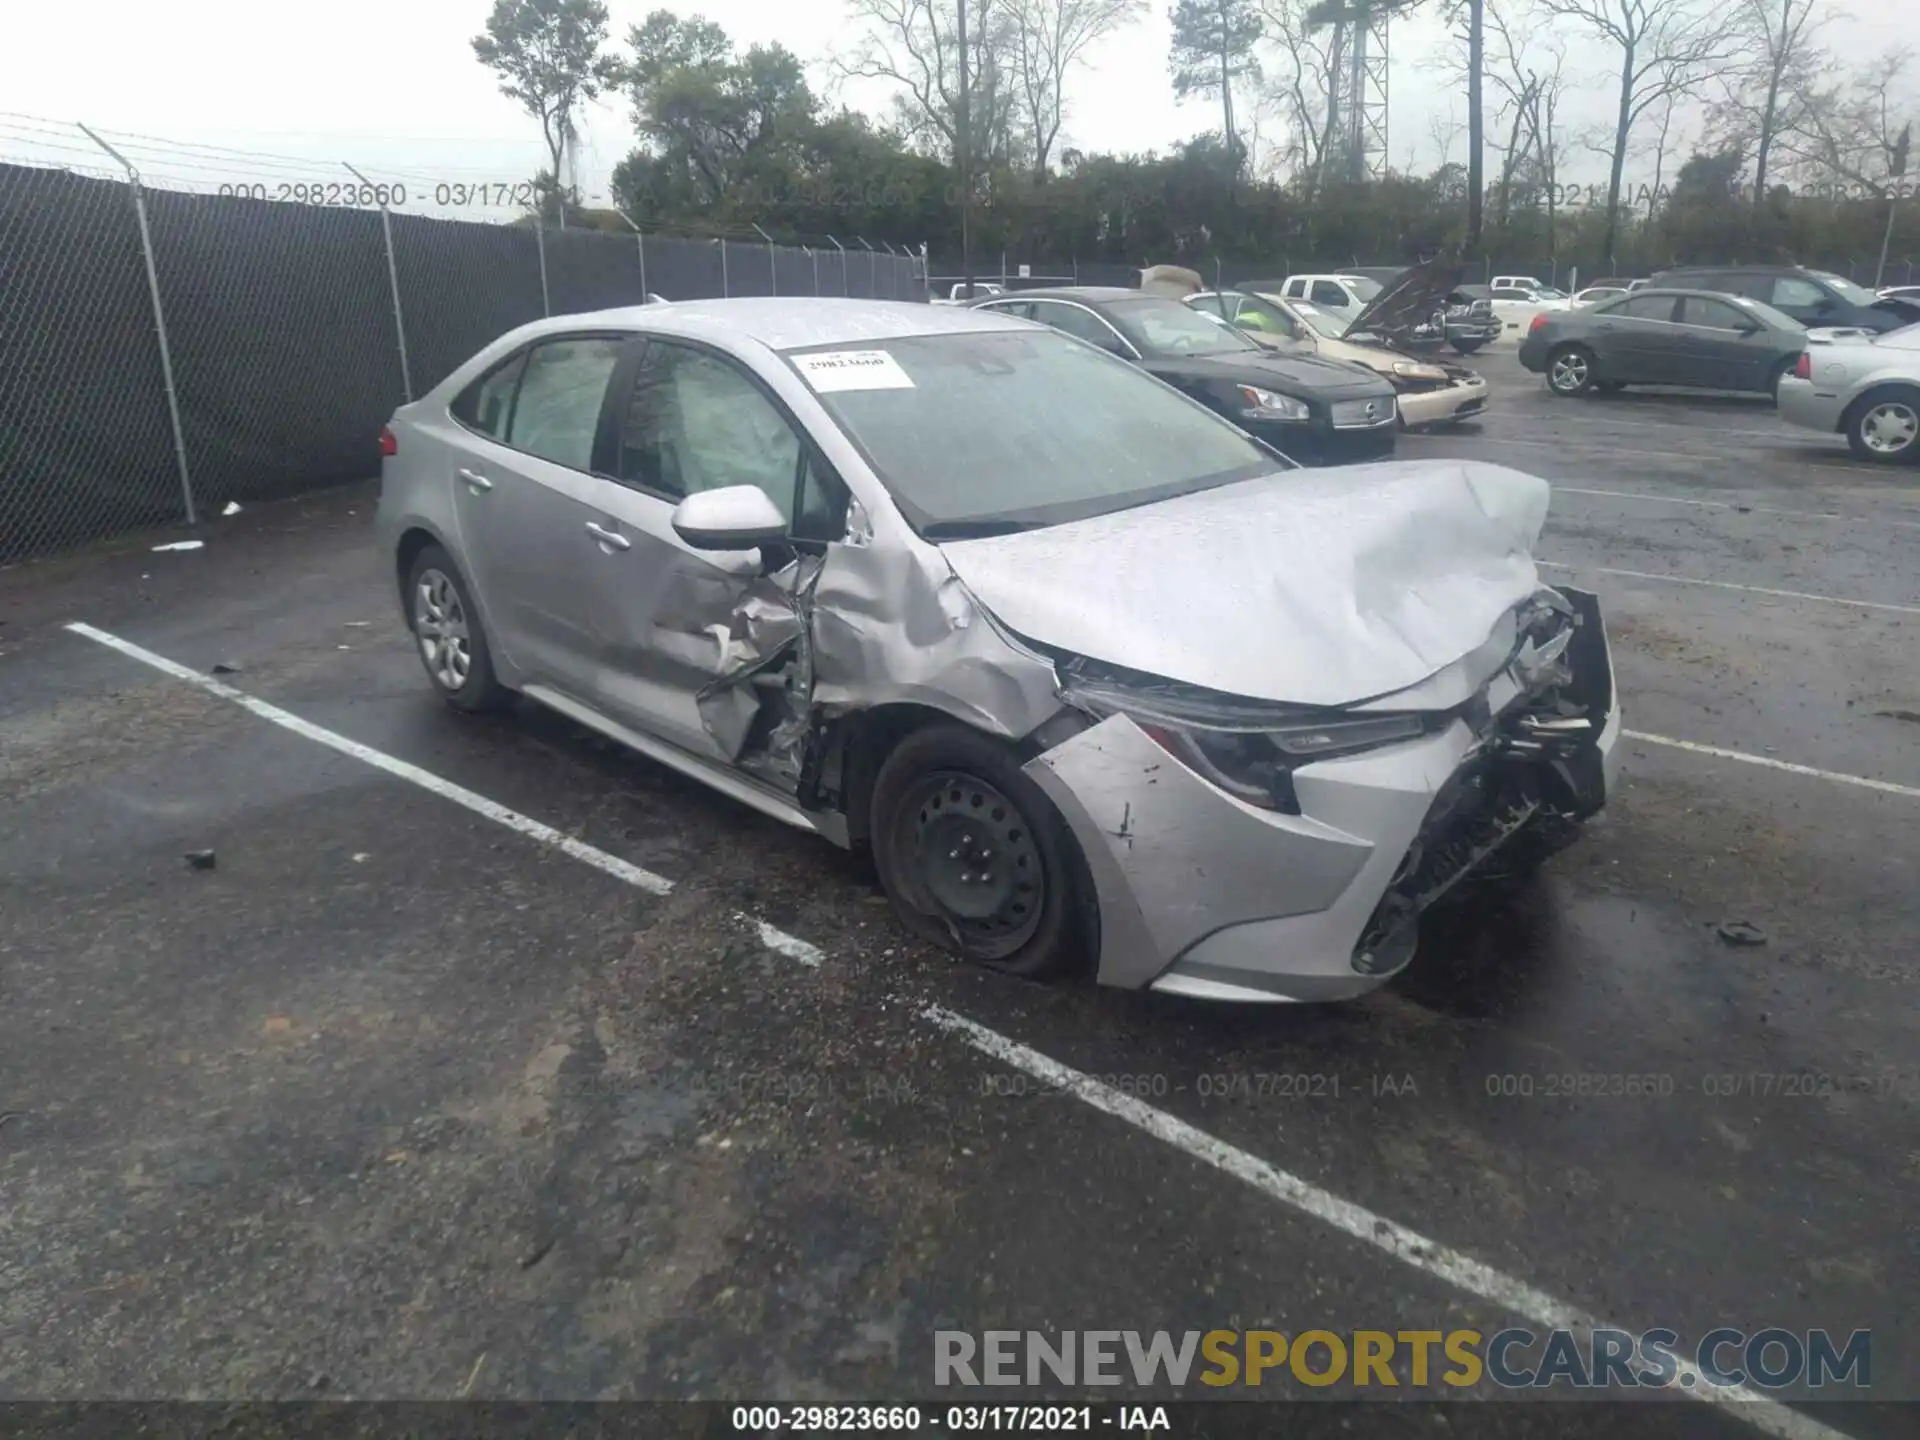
{"type": "Point", "coordinates": [1743, 270]}
{"type": "Point", "coordinates": [783, 323]}
{"type": "Point", "coordinates": [1083, 292]}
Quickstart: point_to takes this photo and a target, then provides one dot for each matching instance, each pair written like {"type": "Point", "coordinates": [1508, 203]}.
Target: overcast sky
{"type": "Point", "coordinates": [392, 86]}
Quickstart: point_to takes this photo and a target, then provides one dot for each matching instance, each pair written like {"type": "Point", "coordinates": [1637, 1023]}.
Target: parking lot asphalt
{"type": "Point", "coordinates": [403, 1099]}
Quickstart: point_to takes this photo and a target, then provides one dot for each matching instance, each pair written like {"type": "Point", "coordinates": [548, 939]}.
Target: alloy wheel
{"type": "Point", "coordinates": [440, 624]}
{"type": "Point", "coordinates": [974, 855]}
{"type": "Point", "coordinates": [1569, 371]}
{"type": "Point", "coordinates": [1890, 428]}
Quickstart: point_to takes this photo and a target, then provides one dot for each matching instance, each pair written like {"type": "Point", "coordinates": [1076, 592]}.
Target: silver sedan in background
{"type": "Point", "coordinates": [1863, 386]}
{"type": "Point", "coordinates": [1093, 675]}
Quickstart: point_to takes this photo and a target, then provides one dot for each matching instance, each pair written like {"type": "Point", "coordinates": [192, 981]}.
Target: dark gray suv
{"type": "Point", "coordinates": [1815, 298]}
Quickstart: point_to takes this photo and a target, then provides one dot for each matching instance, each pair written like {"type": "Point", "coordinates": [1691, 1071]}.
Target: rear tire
{"type": "Point", "coordinates": [975, 858]}
{"type": "Point", "coordinates": [447, 633]}
{"type": "Point", "coordinates": [1466, 349]}
{"type": "Point", "coordinates": [1883, 425]}
{"type": "Point", "coordinates": [1570, 370]}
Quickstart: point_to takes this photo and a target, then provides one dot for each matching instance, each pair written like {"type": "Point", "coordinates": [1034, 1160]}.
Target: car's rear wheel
{"type": "Point", "coordinates": [974, 857]}
{"type": "Point", "coordinates": [1467, 348]}
{"type": "Point", "coordinates": [1570, 370]}
{"type": "Point", "coordinates": [1883, 425]}
{"type": "Point", "coordinates": [447, 631]}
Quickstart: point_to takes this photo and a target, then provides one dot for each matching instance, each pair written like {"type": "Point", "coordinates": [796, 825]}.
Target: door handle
{"type": "Point", "coordinates": [611, 538]}
{"type": "Point", "coordinates": [476, 482]}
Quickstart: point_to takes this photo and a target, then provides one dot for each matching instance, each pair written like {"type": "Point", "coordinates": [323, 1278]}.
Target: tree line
{"type": "Point", "coordinates": [1756, 137]}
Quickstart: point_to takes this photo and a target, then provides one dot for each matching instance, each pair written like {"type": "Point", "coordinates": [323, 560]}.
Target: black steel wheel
{"type": "Point", "coordinates": [973, 855]}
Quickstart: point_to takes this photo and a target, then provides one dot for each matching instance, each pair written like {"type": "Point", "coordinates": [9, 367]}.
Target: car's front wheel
{"type": "Point", "coordinates": [974, 856]}
{"type": "Point", "coordinates": [447, 631]}
{"type": "Point", "coordinates": [1570, 370]}
{"type": "Point", "coordinates": [1466, 347]}
{"type": "Point", "coordinates": [1884, 425]}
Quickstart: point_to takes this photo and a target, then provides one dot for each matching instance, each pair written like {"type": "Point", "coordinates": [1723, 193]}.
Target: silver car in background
{"type": "Point", "coordinates": [1861, 385]}
{"type": "Point", "coordinates": [1094, 676]}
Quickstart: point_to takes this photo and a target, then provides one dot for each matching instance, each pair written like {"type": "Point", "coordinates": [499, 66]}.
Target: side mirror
{"type": "Point", "coordinates": [738, 517]}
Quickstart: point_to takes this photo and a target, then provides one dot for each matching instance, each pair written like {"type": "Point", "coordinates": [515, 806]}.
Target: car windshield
{"type": "Point", "coordinates": [1845, 289]}
{"type": "Point", "coordinates": [1328, 325]}
{"type": "Point", "coordinates": [1160, 326]}
{"type": "Point", "coordinates": [991, 432]}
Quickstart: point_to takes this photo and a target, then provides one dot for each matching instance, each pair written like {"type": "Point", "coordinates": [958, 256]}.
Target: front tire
{"type": "Point", "coordinates": [447, 632]}
{"type": "Point", "coordinates": [975, 858]}
{"type": "Point", "coordinates": [1884, 425]}
{"type": "Point", "coordinates": [1570, 370]}
{"type": "Point", "coordinates": [1467, 349]}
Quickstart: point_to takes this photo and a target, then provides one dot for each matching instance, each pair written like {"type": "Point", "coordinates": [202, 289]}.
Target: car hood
{"type": "Point", "coordinates": [1306, 587]}
{"type": "Point", "coordinates": [1290, 372]}
{"type": "Point", "coordinates": [1410, 301]}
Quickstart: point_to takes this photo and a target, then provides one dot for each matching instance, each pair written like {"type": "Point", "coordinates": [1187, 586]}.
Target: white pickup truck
{"type": "Point", "coordinates": [982, 289]}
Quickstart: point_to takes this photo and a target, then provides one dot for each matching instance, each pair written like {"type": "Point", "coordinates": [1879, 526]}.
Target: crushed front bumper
{"type": "Point", "coordinates": [1201, 894]}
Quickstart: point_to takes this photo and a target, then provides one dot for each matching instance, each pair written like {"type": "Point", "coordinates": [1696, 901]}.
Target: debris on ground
{"type": "Point", "coordinates": [200, 859]}
{"type": "Point", "coordinates": [180, 545]}
{"type": "Point", "coordinates": [1741, 932]}
{"type": "Point", "coordinates": [1910, 716]}
{"type": "Point", "coordinates": [223, 668]}
{"type": "Point", "coordinates": [233, 508]}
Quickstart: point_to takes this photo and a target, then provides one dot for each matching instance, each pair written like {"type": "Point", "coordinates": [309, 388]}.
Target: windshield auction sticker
{"type": "Point", "coordinates": [853, 370]}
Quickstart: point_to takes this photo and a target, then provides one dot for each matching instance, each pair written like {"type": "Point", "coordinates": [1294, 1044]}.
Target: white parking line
{"type": "Point", "coordinates": [1729, 585]}
{"type": "Point", "coordinates": [1874, 520]}
{"type": "Point", "coordinates": [1407, 1246]}
{"type": "Point", "coordinates": [1838, 777]}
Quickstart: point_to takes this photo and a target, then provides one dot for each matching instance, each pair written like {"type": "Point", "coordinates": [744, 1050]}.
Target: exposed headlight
{"type": "Point", "coordinates": [1269, 405]}
{"type": "Point", "coordinates": [1407, 369]}
{"type": "Point", "coordinates": [1245, 748]}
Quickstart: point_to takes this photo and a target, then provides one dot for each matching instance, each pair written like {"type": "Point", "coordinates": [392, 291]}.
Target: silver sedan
{"type": "Point", "coordinates": [1863, 386]}
{"type": "Point", "coordinates": [1094, 676]}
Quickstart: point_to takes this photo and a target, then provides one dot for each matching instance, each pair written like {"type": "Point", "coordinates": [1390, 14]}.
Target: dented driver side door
{"type": "Point", "coordinates": [683, 633]}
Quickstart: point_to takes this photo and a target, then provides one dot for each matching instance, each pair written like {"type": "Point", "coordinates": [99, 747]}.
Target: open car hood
{"type": "Point", "coordinates": [1306, 587]}
{"type": "Point", "coordinates": [1410, 302]}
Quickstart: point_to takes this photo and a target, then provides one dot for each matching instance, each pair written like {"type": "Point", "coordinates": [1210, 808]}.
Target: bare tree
{"type": "Point", "coordinates": [1052, 37]}
{"type": "Point", "coordinates": [1846, 125]}
{"type": "Point", "coordinates": [1762, 97]}
{"type": "Point", "coordinates": [1301, 86]}
{"type": "Point", "coordinates": [915, 44]}
{"type": "Point", "coordinates": [1668, 48]}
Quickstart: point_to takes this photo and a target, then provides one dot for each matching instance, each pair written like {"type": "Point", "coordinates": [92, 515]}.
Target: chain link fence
{"type": "Point", "coordinates": [167, 354]}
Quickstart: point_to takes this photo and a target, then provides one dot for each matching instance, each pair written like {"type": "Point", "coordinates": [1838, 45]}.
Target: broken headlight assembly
{"type": "Point", "coordinates": [1243, 747]}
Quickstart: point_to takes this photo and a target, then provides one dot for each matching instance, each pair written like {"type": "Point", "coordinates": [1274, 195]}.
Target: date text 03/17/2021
{"type": "Point", "coordinates": [951, 1419]}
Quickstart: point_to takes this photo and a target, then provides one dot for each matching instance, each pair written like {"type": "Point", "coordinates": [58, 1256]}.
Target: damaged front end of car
{"type": "Point", "coordinates": [1289, 852]}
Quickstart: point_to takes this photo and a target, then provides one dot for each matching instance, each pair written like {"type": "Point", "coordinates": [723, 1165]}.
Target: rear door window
{"type": "Point", "coordinates": [1715, 314]}
{"type": "Point", "coordinates": [1644, 307]}
{"type": "Point", "coordinates": [556, 413]}
{"type": "Point", "coordinates": [487, 405]}
{"type": "Point", "coordinates": [1326, 293]}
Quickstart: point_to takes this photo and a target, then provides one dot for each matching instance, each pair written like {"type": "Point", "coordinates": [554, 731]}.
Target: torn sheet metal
{"type": "Point", "coordinates": [1312, 587]}
{"type": "Point", "coordinates": [1173, 859]}
{"type": "Point", "coordinates": [761, 640]}
{"type": "Point", "coordinates": [896, 626]}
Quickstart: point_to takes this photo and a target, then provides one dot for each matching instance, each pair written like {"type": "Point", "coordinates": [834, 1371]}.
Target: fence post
{"type": "Point", "coordinates": [725, 284]}
{"type": "Point", "coordinates": [873, 278]}
{"type": "Point", "coordinates": [540, 243]}
{"type": "Point", "coordinates": [845, 284]}
{"type": "Point", "coordinates": [1076, 270]}
{"type": "Point", "coordinates": [815, 254]}
{"type": "Point", "coordinates": [640, 239]}
{"type": "Point", "coordinates": [773, 261]}
{"type": "Point", "coordinates": [393, 282]}
{"type": "Point", "coordinates": [159, 323]}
